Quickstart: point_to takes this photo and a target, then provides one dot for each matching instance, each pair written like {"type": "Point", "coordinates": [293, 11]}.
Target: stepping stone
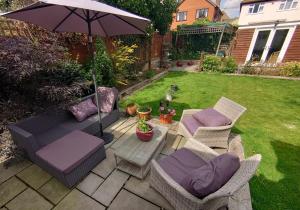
{"type": "Point", "coordinates": [12, 170]}
{"type": "Point", "coordinates": [34, 176]}
{"type": "Point", "coordinates": [90, 184]}
{"type": "Point", "coordinates": [172, 142]}
{"type": "Point", "coordinates": [78, 201]}
{"type": "Point", "coordinates": [142, 188]}
{"type": "Point", "coordinates": [104, 168]}
{"type": "Point", "coordinates": [29, 200]}
{"type": "Point", "coordinates": [110, 187]}
{"type": "Point", "coordinates": [9, 189]}
{"type": "Point", "coordinates": [54, 190]}
{"type": "Point", "coordinates": [127, 200]}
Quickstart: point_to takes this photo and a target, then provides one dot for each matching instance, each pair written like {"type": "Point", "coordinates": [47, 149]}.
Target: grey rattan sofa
{"type": "Point", "coordinates": [35, 133]}
{"type": "Point", "coordinates": [181, 199]}
{"type": "Point", "coordinates": [214, 136]}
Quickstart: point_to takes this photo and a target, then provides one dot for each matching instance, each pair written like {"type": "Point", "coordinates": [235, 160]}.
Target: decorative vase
{"type": "Point", "coordinates": [144, 136]}
{"type": "Point", "coordinates": [131, 109]}
{"type": "Point", "coordinates": [144, 115]}
{"type": "Point", "coordinates": [165, 118]}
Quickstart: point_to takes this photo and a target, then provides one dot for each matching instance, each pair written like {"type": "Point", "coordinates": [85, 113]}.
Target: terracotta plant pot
{"type": "Point", "coordinates": [131, 109]}
{"type": "Point", "coordinates": [165, 118]}
{"type": "Point", "coordinates": [144, 115]}
{"type": "Point", "coordinates": [144, 136]}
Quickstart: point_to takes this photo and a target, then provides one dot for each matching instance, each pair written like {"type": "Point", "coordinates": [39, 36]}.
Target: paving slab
{"type": "Point", "coordinates": [90, 184]}
{"type": "Point", "coordinates": [142, 188]}
{"type": "Point", "coordinates": [3, 208]}
{"type": "Point", "coordinates": [127, 200]}
{"type": "Point", "coordinates": [104, 168]}
{"type": "Point", "coordinates": [122, 129]}
{"type": "Point", "coordinates": [29, 200]}
{"type": "Point", "coordinates": [172, 142]}
{"type": "Point", "coordinates": [54, 190]}
{"type": "Point", "coordinates": [76, 200]}
{"type": "Point", "coordinates": [110, 187]}
{"type": "Point", "coordinates": [34, 176]}
{"type": "Point", "coordinates": [182, 142]}
{"type": "Point", "coordinates": [12, 170]}
{"type": "Point", "coordinates": [9, 189]}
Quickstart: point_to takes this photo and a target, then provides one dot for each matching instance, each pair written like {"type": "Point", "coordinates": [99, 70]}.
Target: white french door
{"type": "Point", "coordinates": [269, 45]}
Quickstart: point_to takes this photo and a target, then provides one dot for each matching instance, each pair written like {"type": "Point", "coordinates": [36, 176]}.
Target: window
{"type": "Point", "coordinates": [202, 13]}
{"type": "Point", "coordinates": [256, 8]}
{"type": "Point", "coordinates": [181, 16]}
{"type": "Point", "coordinates": [288, 4]}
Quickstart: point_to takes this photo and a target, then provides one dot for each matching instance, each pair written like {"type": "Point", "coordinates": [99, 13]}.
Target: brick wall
{"type": "Point", "coordinates": [293, 51]}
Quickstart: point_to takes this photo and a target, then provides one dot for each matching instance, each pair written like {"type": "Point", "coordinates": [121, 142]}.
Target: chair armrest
{"type": "Point", "coordinates": [189, 112]}
{"type": "Point", "coordinates": [200, 149]}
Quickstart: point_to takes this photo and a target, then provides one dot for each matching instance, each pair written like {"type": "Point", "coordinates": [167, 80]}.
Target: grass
{"type": "Point", "coordinates": [271, 126]}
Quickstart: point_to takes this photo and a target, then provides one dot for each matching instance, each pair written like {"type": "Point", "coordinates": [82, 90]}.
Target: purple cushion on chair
{"type": "Point", "coordinates": [83, 110]}
{"type": "Point", "coordinates": [212, 176]}
{"type": "Point", "coordinates": [68, 152]}
{"type": "Point", "coordinates": [107, 98]}
{"type": "Point", "coordinates": [180, 163]}
{"type": "Point", "coordinates": [191, 124]}
{"type": "Point", "coordinates": [211, 118]}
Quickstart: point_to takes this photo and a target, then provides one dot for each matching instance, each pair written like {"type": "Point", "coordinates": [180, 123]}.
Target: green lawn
{"type": "Point", "coordinates": [271, 126]}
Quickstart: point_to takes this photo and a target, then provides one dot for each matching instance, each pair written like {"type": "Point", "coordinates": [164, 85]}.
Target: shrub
{"type": "Point", "coordinates": [290, 69]}
{"type": "Point", "coordinates": [211, 63]}
{"type": "Point", "coordinates": [248, 68]}
{"type": "Point", "coordinates": [229, 65]}
{"type": "Point", "coordinates": [150, 73]}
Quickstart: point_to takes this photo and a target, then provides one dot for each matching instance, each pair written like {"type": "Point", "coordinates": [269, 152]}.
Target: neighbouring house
{"type": "Point", "coordinates": [188, 11]}
{"type": "Point", "coordinates": [269, 32]}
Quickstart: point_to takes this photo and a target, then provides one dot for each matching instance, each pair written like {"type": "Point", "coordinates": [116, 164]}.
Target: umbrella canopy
{"type": "Point", "coordinates": [82, 16]}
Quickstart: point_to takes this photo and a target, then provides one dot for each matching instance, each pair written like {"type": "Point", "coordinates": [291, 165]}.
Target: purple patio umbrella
{"type": "Point", "coordinates": [82, 16]}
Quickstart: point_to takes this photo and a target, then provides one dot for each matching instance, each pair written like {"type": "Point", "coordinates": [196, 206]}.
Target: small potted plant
{"type": "Point", "coordinates": [144, 112]}
{"type": "Point", "coordinates": [131, 108]}
{"type": "Point", "coordinates": [144, 131]}
{"type": "Point", "coordinates": [166, 112]}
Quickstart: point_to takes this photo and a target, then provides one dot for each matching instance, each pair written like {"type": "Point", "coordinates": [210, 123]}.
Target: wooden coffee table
{"type": "Point", "coordinates": [134, 156]}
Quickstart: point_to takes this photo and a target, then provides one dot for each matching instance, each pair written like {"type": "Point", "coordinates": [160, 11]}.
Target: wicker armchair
{"type": "Point", "coordinates": [181, 199]}
{"type": "Point", "coordinates": [214, 136]}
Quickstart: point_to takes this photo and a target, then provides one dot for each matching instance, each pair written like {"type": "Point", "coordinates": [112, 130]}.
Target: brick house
{"type": "Point", "coordinates": [269, 32]}
{"type": "Point", "coordinates": [188, 11]}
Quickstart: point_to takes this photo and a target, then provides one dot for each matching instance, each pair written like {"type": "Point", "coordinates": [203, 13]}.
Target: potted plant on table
{"type": "Point", "coordinates": [166, 112]}
{"type": "Point", "coordinates": [144, 131]}
{"type": "Point", "coordinates": [144, 112]}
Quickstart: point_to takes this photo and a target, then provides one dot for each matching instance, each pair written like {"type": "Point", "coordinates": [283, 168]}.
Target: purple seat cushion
{"type": "Point", "coordinates": [180, 163]}
{"type": "Point", "coordinates": [83, 110]}
{"type": "Point", "coordinates": [191, 124]}
{"type": "Point", "coordinates": [68, 152]}
{"type": "Point", "coordinates": [211, 118]}
{"type": "Point", "coordinates": [212, 176]}
{"type": "Point", "coordinates": [107, 98]}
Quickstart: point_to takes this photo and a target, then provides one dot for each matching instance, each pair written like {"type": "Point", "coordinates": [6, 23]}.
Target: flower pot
{"type": "Point", "coordinates": [131, 109]}
{"type": "Point", "coordinates": [147, 136]}
{"type": "Point", "coordinates": [145, 115]}
{"type": "Point", "coordinates": [165, 118]}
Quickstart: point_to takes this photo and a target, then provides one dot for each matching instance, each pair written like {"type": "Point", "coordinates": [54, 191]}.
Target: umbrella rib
{"type": "Point", "coordinates": [32, 8]}
{"type": "Point", "coordinates": [63, 20]}
{"type": "Point", "coordinates": [102, 27]}
{"type": "Point", "coordinates": [130, 24]}
{"type": "Point", "coordinates": [75, 13]}
{"type": "Point", "coordinates": [97, 18]}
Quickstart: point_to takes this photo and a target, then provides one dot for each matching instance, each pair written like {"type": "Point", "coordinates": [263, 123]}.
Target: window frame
{"type": "Point", "coordinates": [283, 3]}
{"type": "Point", "coordinates": [197, 10]}
{"type": "Point", "coordinates": [260, 8]}
{"type": "Point", "coordinates": [177, 16]}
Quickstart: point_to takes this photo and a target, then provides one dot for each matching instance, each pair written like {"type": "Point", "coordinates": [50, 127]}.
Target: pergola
{"type": "Point", "coordinates": [206, 29]}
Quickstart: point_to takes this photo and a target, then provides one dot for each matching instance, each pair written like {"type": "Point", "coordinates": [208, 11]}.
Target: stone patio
{"type": "Point", "coordinates": [26, 186]}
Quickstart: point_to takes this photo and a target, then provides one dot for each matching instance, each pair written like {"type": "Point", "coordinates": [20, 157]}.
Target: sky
{"type": "Point", "coordinates": [231, 7]}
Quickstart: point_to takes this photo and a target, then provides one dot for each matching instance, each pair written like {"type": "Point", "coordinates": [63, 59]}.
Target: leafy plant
{"type": "Point", "coordinates": [248, 68]}
{"type": "Point", "coordinates": [143, 126]}
{"type": "Point", "coordinates": [229, 65]}
{"type": "Point", "coordinates": [165, 108]}
{"type": "Point", "coordinates": [150, 73]}
{"type": "Point", "coordinates": [144, 108]}
{"type": "Point", "coordinates": [290, 69]}
{"type": "Point", "coordinates": [211, 63]}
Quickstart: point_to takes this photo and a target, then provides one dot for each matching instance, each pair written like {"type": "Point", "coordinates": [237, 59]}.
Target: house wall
{"type": "Point", "coordinates": [191, 7]}
{"type": "Point", "coordinates": [293, 51]}
{"type": "Point", "coordinates": [269, 14]}
{"type": "Point", "coordinates": [242, 44]}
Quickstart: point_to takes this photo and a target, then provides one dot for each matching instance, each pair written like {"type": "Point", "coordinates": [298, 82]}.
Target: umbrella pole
{"type": "Point", "coordinates": [106, 137]}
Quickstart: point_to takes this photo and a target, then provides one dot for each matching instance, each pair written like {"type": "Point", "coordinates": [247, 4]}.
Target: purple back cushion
{"type": "Point", "coordinates": [211, 118]}
{"type": "Point", "coordinates": [83, 110]}
{"type": "Point", "coordinates": [107, 98]}
{"type": "Point", "coordinates": [212, 176]}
